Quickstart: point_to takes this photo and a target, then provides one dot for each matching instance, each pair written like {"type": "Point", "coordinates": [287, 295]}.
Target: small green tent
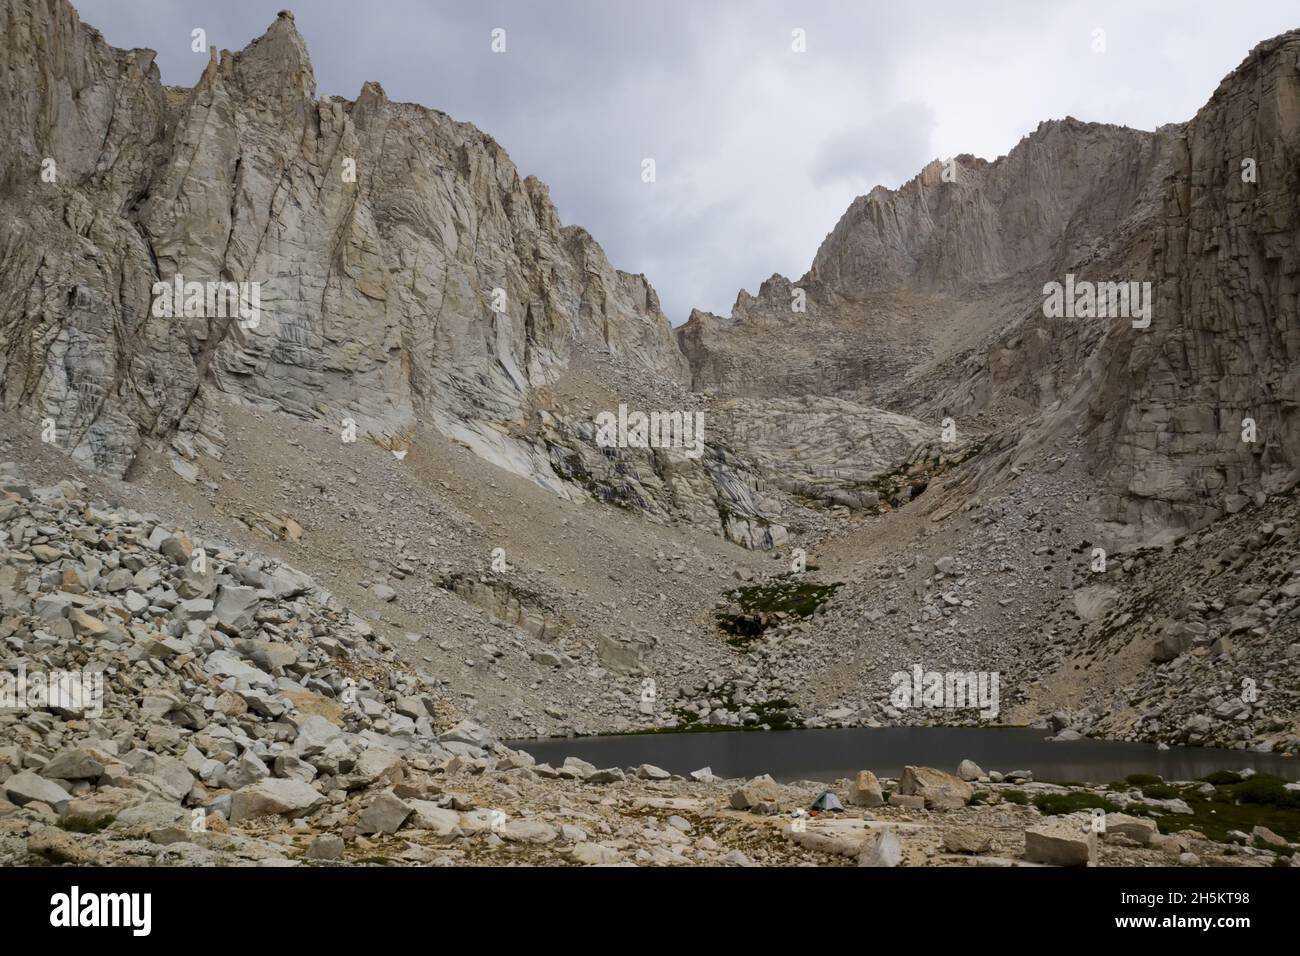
{"type": "Point", "coordinates": [827, 803]}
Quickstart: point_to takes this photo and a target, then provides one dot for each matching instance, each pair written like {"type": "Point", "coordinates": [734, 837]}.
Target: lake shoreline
{"type": "Point", "coordinates": [830, 754]}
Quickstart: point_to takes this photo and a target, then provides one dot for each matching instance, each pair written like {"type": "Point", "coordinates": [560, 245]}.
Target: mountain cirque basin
{"type": "Point", "coordinates": [311, 647]}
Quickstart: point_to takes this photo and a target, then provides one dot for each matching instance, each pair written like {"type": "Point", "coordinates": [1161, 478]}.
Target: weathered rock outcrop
{"type": "Point", "coordinates": [911, 275]}
{"type": "Point", "coordinates": [83, 130]}
{"type": "Point", "coordinates": [970, 221]}
{"type": "Point", "coordinates": [406, 273]}
{"type": "Point", "coordinates": [377, 231]}
{"type": "Point", "coordinates": [928, 300]}
{"type": "Point", "coordinates": [1224, 342]}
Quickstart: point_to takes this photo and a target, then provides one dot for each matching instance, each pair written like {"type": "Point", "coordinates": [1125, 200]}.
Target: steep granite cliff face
{"type": "Point", "coordinates": [1224, 343]}
{"type": "Point", "coordinates": [84, 131]}
{"type": "Point", "coordinates": [970, 221]}
{"type": "Point", "coordinates": [928, 300]}
{"type": "Point", "coordinates": [910, 276]}
{"type": "Point", "coordinates": [407, 275]}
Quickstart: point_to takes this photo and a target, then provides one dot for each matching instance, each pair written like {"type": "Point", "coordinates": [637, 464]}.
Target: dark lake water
{"type": "Point", "coordinates": [831, 754]}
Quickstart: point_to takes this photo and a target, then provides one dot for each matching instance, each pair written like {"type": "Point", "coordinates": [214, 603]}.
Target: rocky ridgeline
{"type": "Point", "coordinates": [928, 301]}
{"type": "Point", "coordinates": [1093, 433]}
{"type": "Point", "coordinates": [410, 279]}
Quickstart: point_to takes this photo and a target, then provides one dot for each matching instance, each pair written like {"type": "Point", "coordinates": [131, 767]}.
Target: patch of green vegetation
{"type": "Point", "coordinates": [1018, 797]}
{"type": "Point", "coordinates": [1143, 779]}
{"type": "Point", "coordinates": [1057, 803]}
{"type": "Point", "coordinates": [754, 608]}
{"type": "Point", "coordinates": [775, 714]}
{"type": "Point", "coordinates": [1236, 804]}
{"type": "Point", "coordinates": [771, 715]}
{"type": "Point", "coordinates": [911, 479]}
{"type": "Point", "coordinates": [981, 798]}
{"type": "Point", "coordinates": [74, 824]}
{"type": "Point", "coordinates": [1161, 791]}
{"type": "Point", "coordinates": [1265, 790]}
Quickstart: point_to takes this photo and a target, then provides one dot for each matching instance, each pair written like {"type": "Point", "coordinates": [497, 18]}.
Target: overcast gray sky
{"type": "Point", "coordinates": [758, 149]}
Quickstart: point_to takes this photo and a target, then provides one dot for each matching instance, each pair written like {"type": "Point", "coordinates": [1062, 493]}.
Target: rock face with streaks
{"type": "Point", "coordinates": [928, 301]}
{"type": "Point", "coordinates": [1224, 345]}
{"type": "Point", "coordinates": [407, 275]}
{"type": "Point", "coordinates": [84, 132]}
{"type": "Point", "coordinates": [936, 466]}
{"type": "Point", "coordinates": [909, 275]}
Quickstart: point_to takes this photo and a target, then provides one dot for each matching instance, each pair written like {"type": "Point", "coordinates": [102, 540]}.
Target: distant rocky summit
{"type": "Point", "coordinates": [927, 300]}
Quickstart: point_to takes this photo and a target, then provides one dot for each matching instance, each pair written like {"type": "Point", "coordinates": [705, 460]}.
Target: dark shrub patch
{"type": "Point", "coordinates": [1056, 803]}
{"type": "Point", "coordinates": [85, 824]}
{"type": "Point", "coordinates": [1221, 777]}
{"type": "Point", "coordinates": [1142, 779]}
{"type": "Point", "coordinates": [757, 607]}
{"type": "Point", "coordinates": [1160, 791]}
